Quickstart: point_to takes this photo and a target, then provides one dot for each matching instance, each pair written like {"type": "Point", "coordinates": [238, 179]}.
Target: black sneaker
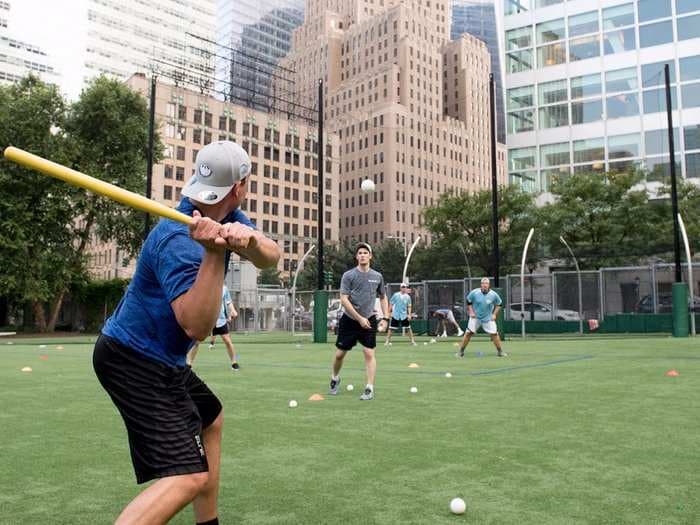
{"type": "Point", "coordinates": [235, 366]}
{"type": "Point", "coordinates": [335, 385]}
{"type": "Point", "coordinates": [368, 395]}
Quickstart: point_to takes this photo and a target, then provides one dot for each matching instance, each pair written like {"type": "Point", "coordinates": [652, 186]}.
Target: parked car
{"type": "Point", "coordinates": [543, 312]}
{"type": "Point", "coordinates": [664, 303]}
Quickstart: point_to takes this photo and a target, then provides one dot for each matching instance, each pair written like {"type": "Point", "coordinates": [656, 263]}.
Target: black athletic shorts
{"type": "Point", "coordinates": [164, 409]}
{"type": "Point", "coordinates": [220, 330]}
{"type": "Point", "coordinates": [350, 333]}
{"type": "Point", "coordinates": [399, 323]}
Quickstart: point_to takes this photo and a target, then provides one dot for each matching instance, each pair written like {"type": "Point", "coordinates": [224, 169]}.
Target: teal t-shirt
{"type": "Point", "coordinates": [223, 314]}
{"type": "Point", "coordinates": [483, 303]}
{"type": "Point", "coordinates": [399, 306]}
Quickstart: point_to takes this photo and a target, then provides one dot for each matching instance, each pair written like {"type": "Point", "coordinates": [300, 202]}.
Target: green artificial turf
{"type": "Point", "coordinates": [563, 431]}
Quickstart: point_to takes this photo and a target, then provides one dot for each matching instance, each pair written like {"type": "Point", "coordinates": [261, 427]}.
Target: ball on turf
{"type": "Point", "coordinates": [447, 374]}
{"type": "Point", "coordinates": [350, 388]}
{"type": "Point", "coordinates": [293, 404]}
{"type": "Point", "coordinates": [414, 390]}
{"type": "Point", "coordinates": [457, 506]}
{"type": "Point", "coordinates": [367, 185]}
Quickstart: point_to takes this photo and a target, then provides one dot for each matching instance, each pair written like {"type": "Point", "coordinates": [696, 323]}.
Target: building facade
{"type": "Point", "coordinates": [585, 87]}
{"type": "Point", "coordinates": [253, 36]}
{"type": "Point", "coordinates": [410, 107]}
{"type": "Point", "coordinates": [132, 36]}
{"type": "Point", "coordinates": [478, 18]}
{"type": "Point", "coordinates": [19, 58]}
{"type": "Point", "coordinates": [282, 191]}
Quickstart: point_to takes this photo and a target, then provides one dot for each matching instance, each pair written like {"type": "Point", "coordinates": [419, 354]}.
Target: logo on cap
{"type": "Point", "coordinates": [244, 170]}
{"type": "Point", "coordinates": [204, 170]}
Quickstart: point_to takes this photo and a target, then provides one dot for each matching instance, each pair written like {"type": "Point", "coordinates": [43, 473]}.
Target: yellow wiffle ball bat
{"type": "Point", "coordinates": [76, 178]}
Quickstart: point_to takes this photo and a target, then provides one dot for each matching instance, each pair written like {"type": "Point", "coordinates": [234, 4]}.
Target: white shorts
{"type": "Point", "coordinates": [489, 326]}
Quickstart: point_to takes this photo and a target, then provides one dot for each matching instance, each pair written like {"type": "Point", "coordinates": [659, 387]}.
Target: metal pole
{"type": "Point", "coordinates": [149, 153]}
{"type": "Point", "coordinates": [494, 181]}
{"type": "Point", "coordinates": [522, 282]}
{"type": "Point", "coordinates": [674, 192]}
{"type": "Point", "coordinates": [580, 287]}
{"type": "Point", "coordinates": [300, 267]}
{"type": "Point", "coordinates": [408, 258]}
{"type": "Point", "coordinates": [532, 298]}
{"type": "Point", "coordinates": [690, 273]}
{"type": "Point", "coordinates": [320, 186]}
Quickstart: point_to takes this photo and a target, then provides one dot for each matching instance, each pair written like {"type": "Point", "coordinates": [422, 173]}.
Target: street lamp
{"type": "Point", "coordinates": [580, 288]}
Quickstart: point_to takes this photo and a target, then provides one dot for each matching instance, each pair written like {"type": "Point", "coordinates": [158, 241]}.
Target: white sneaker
{"type": "Point", "coordinates": [460, 333]}
{"type": "Point", "coordinates": [414, 343]}
{"type": "Point", "coordinates": [387, 343]}
{"type": "Point", "coordinates": [211, 347]}
{"type": "Point", "coordinates": [444, 334]}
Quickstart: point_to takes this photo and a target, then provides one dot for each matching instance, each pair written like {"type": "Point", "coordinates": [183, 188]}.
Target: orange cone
{"type": "Point", "coordinates": [316, 397]}
{"type": "Point", "coordinates": [672, 373]}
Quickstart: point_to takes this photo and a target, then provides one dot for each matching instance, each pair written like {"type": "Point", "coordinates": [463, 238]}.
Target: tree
{"type": "Point", "coordinates": [49, 222]}
{"type": "Point", "coordinates": [388, 259]}
{"type": "Point", "coordinates": [337, 259]}
{"type": "Point", "coordinates": [465, 220]}
{"type": "Point", "coordinates": [606, 218]}
{"type": "Point", "coordinates": [269, 276]}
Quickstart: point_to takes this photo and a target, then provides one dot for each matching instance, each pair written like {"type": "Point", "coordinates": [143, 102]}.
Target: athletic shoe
{"type": "Point", "coordinates": [235, 366]}
{"type": "Point", "coordinates": [387, 343]}
{"type": "Point", "coordinates": [335, 385]}
{"type": "Point", "coordinates": [414, 343]}
{"type": "Point", "coordinates": [460, 355]}
{"type": "Point", "coordinates": [460, 333]}
{"type": "Point", "coordinates": [211, 347]}
{"type": "Point", "coordinates": [502, 354]}
{"type": "Point", "coordinates": [444, 334]}
{"type": "Point", "coordinates": [368, 395]}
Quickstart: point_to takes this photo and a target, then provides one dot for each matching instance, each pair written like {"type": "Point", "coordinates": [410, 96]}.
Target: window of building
{"type": "Point", "coordinates": [583, 24]}
{"type": "Point", "coordinates": [621, 80]}
{"type": "Point", "coordinates": [655, 34]}
{"type": "Point", "coordinates": [511, 7]}
{"type": "Point", "coordinates": [619, 41]}
{"type": "Point", "coordinates": [688, 26]}
{"type": "Point", "coordinates": [553, 34]}
{"type": "Point", "coordinates": [583, 48]}
{"type": "Point", "coordinates": [168, 171]}
{"type": "Point", "coordinates": [624, 146]}
{"type": "Point", "coordinates": [552, 113]}
{"type": "Point", "coordinates": [589, 150]}
{"type": "Point", "coordinates": [653, 9]}
{"type": "Point", "coordinates": [167, 192]}
{"type": "Point", "coordinates": [180, 153]}
{"type": "Point", "coordinates": [179, 173]}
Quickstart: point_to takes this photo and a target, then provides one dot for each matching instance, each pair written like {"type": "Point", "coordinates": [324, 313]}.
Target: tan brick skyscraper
{"type": "Point", "coordinates": [410, 107]}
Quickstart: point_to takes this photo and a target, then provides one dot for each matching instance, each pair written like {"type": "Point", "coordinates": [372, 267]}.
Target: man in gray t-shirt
{"type": "Point", "coordinates": [359, 289]}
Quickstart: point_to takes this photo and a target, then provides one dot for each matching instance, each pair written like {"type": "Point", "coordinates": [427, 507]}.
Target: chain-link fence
{"type": "Point", "coordinates": [547, 297]}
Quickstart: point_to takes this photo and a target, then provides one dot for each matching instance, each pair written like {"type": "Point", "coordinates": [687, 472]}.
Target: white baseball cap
{"type": "Point", "coordinates": [219, 165]}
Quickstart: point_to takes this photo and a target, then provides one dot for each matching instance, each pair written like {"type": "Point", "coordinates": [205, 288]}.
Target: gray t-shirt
{"type": "Point", "coordinates": [363, 289]}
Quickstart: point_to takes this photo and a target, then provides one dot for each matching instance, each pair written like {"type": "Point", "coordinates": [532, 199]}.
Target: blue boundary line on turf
{"type": "Point", "coordinates": [441, 373]}
{"type": "Point", "coordinates": [535, 365]}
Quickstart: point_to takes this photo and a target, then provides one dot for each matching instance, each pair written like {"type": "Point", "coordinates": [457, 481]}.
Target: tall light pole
{"type": "Point", "coordinates": [300, 267]}
{"type": "Point", "coordinates": [580, 286]}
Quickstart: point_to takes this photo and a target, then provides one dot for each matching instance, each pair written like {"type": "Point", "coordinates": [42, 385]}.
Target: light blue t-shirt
{"type": "Point", "coordinates": [483, 303]}
{"type": "Point", "coordinates": [399, 306]}
{"type": "Point", "coordinates": [167, 268]}
{"type": "Point", "coordinates": [223, 314]}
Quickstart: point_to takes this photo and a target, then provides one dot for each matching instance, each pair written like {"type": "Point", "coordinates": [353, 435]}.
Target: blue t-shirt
{"type": "Point", "coordinates": [483, 303]}
{"type": "Point", "coordinates": [399, 306]}
{"type": "Point", "coordinates": [223, 314]}
{"type": "Point", "coordinates": [167, 268]}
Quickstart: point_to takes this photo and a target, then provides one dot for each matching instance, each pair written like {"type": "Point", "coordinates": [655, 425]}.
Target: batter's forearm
{"type": "Point", "coordinates": [264, 252]}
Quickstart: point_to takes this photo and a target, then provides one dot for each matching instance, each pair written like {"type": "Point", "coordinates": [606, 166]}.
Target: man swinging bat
{"type": "Point", "coordinates": [173, 421]}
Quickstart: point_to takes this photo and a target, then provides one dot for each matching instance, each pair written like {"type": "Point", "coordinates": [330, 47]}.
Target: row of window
{"type": "Point", "coordinates": [618, 152]}
{"type": "Point", "coordinates": [613, 94]}
{"type": "Point", "coordinates": [648, 9]}
{"type": "Point", "coordinates": [578, 37]}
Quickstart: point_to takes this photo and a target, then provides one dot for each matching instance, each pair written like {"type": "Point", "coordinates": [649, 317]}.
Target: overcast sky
{"type": "Point", "coordinates": [58, 27]}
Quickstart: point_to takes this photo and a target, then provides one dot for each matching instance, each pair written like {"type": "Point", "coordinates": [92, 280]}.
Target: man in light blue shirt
{"type": "Point", "coordinates": [483, 305]}
{"type": "Point", "coordinates": [400, 304]}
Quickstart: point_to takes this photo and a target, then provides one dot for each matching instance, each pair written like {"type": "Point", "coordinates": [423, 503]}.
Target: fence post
{"type": "Point", "coordinates": [654, 298]}
{"type": "Point", "coordinates": [601, 291]}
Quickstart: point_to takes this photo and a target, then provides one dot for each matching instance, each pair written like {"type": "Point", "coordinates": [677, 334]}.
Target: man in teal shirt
{"type": "Point", "coordinates": [483, 305]}
{"type": "Point", "coordinates": [400, 304]}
